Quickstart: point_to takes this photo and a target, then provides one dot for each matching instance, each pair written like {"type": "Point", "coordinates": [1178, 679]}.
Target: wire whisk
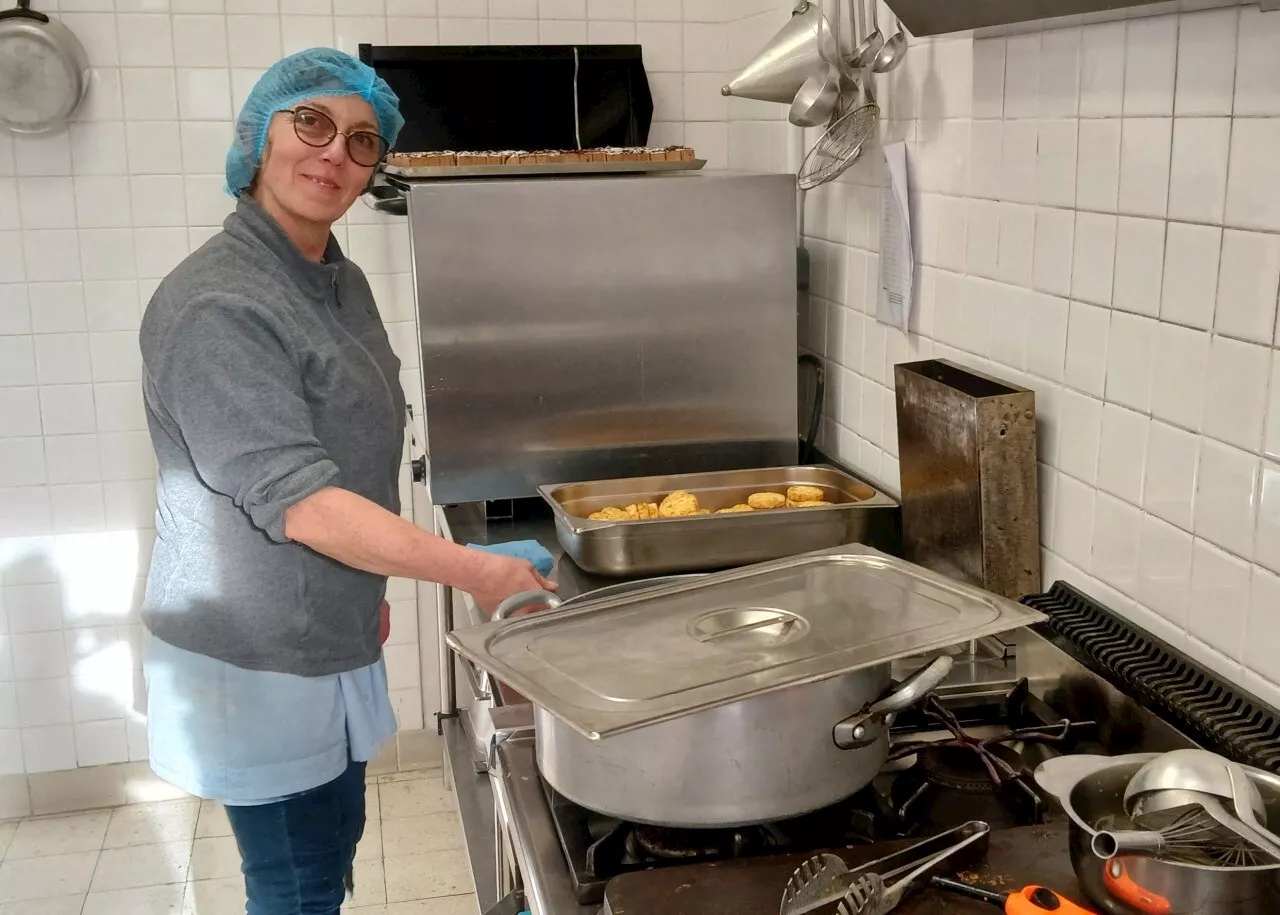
{"type": "Point", "coordinates": [1191, 836]}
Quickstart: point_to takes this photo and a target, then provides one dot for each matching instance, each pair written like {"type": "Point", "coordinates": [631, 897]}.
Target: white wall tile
{"type": "Point", "coordinates": [96, 32]}
{"type": "Point", "coordinates": [1022, 76]}
{"type": "Point", "coordinates": [1253, 177]}
{"type": "Point", "coordinates": [1219, 599]}
{"type": "Point", "coordinates": [1180, 366]}
{"type": "Point", "coordinates": [98, 149]}
{"type": "Point", "coordinates": [1098, 164]}
{"type": "Point", "coordinates": [1267, 545]}
{"type": "Point", "coordinates": [44, 154]}
{"type": "Point", "coordinates": [1164, 576]}
{"type": "Point", "coordinates": [62, 358]}
{"type": "Point", "coordinates": [1263, 625]}
{"type": "Point", "coordinates": [67, 408]}
{"type": "Point", "coordinates": [102, 202]}
{"type": "Point", "coordinates": [17, 361]}
{"type": "Point", "coordinates": [72, 458]}
{"type": "Point", "coordinates": [52, 255]}
{"type": "Point", "coordinates": [50, 749]}
{"type": "Point", "coordinates": [146, 40]}
{"type": "Point", "coordinates": [1206, 62]}
{"type": "Point", "coordinates": [988, 77]}
{"type": "Point", "coordinates": [1017, 239]}
{"type": "Point", "coordinates": [1054, 243]}
{"type": "Point", "coordinates": [20, 408]}
{"type": "Point", "coordinates": [106, 254]}
{"type": "Point", "coordinates": [201, 41]}
{"type": "Point", "coordinates": [1248, 279]}
{"type": "Point", "coordinates": [149, 94]}
{"type": "Point", "coordinates": [1060, 73]}
{"type": "Point", "coordinates": [157, 200]}
{"type": "Point", "coordinates": [1258, 65]}
{"type": "Point", "coordinates": [1139, 265]}
{"type": "Point", "coordinates": [1121, 454]}
{"type": "Point", "coordinates": [1117, 543]}
{"type": "Point", "coordinates": [1198, 174]}
{"type": "Point", "coordinates": [100, 743]}
{"type": "Point", "coordinates": [1088, 333]}
{"type": "Point", "coordinates": [22, 462]}
{"type": "Point", "coordinates": [1226, 497]}
{"type": "Point", "coordinates": [1102, 70]}
{"type": "Point", "coordinates": [1190, 274]}
{"type": "Point", "coordinates": [57, 308]}
{"type": "Point", "coordinates": [1047, 335]}
{"type": "Point", "coordinates": [1144, 166]}
{"type": "Point", "coordinates": [46, 203]}
{"type": "Point", "coordinates": [1236, 391]}
{"type": "Point", "coordinates": [1093, 258]}
{"type": "Point", "coordinates": [1079, 443]}
{"type": "Point", "coordinates": [1056, 163]}
{"type": "Point", "coordinates": [1151, 52]}
{"type": "Point", "coordinates": [1073, 520]}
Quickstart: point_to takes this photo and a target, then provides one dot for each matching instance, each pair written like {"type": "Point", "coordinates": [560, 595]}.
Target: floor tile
{"type": "Point", "coordinates": [370, 847]}
{"type": "Point", "coordinates": [215, 897]}
{"type": "Point", "coordinates": [414, 798]}
{"type": "Point", "coordinates": [152, 824]}
{"type": "Point", "coordinates": [371, 888]}
{"type": "Point", "coordinates": [58, 905]}
{"type": "Point", "coordinates": [416, 835]}
{"type": "Point", "coordinates": [149, 900]}
{"type": "Point", "coordinates": [142, 865]}
{"type": "Point", "coordinates": [426, 876]}
{"type": "Point", "coordinates": [215, 858]}
{"type": "Point", "coordinates": [37, 878]}
{"type": "Point", "coordinates": [213, 821]}
{"type": "Point", "coordinates": [444, 905]}
{"type": "Point", "coordinates": [7, 831]}
{"type": "Point", "coordinates": [61, 835]}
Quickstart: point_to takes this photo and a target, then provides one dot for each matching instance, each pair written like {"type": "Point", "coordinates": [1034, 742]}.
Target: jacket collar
{"type": "Point", "coordinates": [252, 224]}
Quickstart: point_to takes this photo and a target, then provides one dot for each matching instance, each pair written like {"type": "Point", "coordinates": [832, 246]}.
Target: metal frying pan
{"type": "Point", "coordinates": [43, 71]}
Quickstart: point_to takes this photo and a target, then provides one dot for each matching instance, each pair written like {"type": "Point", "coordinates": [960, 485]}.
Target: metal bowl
{"type": "Point", "coordinates": [1091, 791]}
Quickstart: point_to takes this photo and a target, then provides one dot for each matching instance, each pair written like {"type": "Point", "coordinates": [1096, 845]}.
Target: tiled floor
{"type": "Point", "coordinates": [178, 858]}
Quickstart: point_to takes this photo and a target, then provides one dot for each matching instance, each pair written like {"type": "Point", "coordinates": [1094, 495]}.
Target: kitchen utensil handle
{"type": "Point", "coordinates": [23, 11]}
{"type": "Point", "coordinates": [1115, 877]}
{"type": "Point", "coordinates": [517, 602]}
{"type": "Point", "coordinates": [1034, 900]}
{"type": "Point", "coordinates": [973, 892]}
{"type": "Point", "coordinates": [1239, 788]}
{"type": "Point", "coordinates": [872, 723]}
{"type": "Point", "coordinates": [980, 832]}
{"type": "Point", "coordinates": [1106, 845]}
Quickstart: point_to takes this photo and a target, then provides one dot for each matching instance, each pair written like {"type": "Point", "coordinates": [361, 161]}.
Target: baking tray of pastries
{"type": "Point", "coordinates": [515, 163]}
{"type": "Point", "coordinates": [702, 521]}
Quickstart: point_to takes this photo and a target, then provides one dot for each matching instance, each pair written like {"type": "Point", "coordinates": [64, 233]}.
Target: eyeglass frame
{"type": "Point", "coordinates": [346, 134]}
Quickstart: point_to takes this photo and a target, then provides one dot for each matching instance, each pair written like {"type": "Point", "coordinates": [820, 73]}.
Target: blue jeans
{"type": "Point", "coordinates": [298, 853]}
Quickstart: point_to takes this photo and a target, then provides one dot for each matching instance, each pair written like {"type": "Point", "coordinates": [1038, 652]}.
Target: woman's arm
{"type": "Point", "coordinates": [362, 534]}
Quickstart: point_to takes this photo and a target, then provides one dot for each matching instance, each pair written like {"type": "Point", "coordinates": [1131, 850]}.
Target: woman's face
{"type": "Point", "coordinates": [316, 184]}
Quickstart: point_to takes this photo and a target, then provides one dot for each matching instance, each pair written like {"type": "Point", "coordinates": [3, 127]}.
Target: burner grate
{"type": "Point", "coordinates": [1216, 714]}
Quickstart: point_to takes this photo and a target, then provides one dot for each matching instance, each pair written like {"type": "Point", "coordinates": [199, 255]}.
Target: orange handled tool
{"type": "Point", "coordinates": [1030, 900]}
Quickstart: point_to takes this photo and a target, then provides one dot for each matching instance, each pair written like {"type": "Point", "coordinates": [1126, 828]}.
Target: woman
{"type": "Point", "coordinates": [275, 409]}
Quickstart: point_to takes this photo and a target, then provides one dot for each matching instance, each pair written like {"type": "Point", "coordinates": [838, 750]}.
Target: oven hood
{"type": "Point", "coordinates": [939, 17]}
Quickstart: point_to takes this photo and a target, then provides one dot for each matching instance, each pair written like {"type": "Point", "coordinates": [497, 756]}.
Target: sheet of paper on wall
{"type": "Point", "coordinates": [897, 261]}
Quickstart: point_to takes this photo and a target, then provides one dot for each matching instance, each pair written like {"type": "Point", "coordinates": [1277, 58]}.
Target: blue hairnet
{"type": "Point", "coordinates": [307, 74]}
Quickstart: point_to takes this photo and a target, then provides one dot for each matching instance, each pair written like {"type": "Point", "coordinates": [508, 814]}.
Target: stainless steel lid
{"type": "Point", "coordinates": [625, 662]}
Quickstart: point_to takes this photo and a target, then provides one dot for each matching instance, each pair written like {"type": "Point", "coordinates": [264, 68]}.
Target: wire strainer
{"type": "Point", "coordinates": [838, 147]}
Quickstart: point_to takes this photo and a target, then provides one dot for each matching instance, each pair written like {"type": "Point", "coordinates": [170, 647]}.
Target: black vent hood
{"type": "Point", "coordinates": [939, 17]}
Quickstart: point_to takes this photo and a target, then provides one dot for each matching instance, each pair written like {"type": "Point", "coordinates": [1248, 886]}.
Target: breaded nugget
{"type": "Point", "coordinates": [766, 500]}
{"type": "Point", "coordinates": [612, 513]}
{"type": "Point", "coordinates": [678, 504]}
{"type": "Point", "coordinates": [791, 503]}
{"type": "Point", "coordinates": [734, 509]}
{"type": "Point", "coordinates": [804, 494]}
{"type": "Point", "coordinates": [642, 511]}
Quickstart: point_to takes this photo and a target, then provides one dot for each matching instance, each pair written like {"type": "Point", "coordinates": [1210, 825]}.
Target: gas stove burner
{"type": "Point", "coordinates": [961, 769]}
{"type": "Point", "coordinates": [695, 844]}
{"type": "Point", "coordinates": [949, 783]}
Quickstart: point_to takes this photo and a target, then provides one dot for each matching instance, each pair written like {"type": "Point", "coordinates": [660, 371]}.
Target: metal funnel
{"type": "Point", "coordinates": [803, 47]}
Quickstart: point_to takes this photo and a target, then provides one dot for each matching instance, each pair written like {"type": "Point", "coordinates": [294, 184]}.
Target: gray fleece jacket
{"type": "Point", "coordinates": [267, 377]}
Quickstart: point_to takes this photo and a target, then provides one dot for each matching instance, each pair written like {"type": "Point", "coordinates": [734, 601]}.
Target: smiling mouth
{"type": "Point", "coordinates": [328, 185]}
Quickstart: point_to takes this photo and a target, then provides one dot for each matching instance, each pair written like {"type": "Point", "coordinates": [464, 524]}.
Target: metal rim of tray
{"type": "Point", "coordinates": [548, 169]}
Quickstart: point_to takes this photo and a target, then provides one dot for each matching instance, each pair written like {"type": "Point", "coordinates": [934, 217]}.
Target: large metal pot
{"type": "Point", "coordinates": [1091, 790]}
{"type": "Point", "coordinates": [760, 759]}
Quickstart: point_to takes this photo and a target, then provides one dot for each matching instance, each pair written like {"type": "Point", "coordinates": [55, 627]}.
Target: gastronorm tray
{"type": "Point", "coordinates": [427, 172]}
{"type": "Point", "coordinates": [706, 542]}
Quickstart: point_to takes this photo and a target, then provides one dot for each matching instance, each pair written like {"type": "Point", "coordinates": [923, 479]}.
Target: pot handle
{"type": "Point", "coordinates": [873, 722]}
{"type": "Point", "coordinates": [525, 599]}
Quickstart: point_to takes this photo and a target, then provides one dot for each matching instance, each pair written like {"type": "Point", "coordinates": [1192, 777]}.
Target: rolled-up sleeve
{"type": "Point", "coordinates": [227, 378]}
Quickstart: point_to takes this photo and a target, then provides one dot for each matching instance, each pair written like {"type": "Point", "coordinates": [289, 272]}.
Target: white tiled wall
{"type": "Point", "coordinates": [92, 218]}
{"type": "Point", "coordinates": [1097, 213]}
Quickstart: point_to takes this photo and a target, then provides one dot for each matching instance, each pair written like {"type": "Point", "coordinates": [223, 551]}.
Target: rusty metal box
{"type": "Point", "coordinates": [967, 451]}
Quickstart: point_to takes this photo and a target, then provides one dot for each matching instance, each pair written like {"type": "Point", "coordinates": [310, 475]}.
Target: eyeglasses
{"type": "Point", "coordinates": [315, 128]}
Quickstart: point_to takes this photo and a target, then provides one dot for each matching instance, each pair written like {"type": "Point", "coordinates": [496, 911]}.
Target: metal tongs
{"type": "Point", "coordinates": [867, 889]}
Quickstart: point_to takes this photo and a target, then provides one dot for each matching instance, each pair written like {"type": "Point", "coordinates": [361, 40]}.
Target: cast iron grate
{"type": "Point", "coordinates": [1216, 714]}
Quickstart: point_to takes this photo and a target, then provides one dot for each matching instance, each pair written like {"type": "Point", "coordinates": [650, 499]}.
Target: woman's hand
{"type": "Point", "coordinates": [503, 576]}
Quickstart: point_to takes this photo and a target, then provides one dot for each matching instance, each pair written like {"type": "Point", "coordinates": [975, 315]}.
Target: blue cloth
{"type": "Point", "coordinates": [254, 736]}
{"type": "Point", "coordinates": [298, 77]}
{"type": "Point", "coordinates": [298, 853]}
{"type": "Point", "coordinates": [530, 550]}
